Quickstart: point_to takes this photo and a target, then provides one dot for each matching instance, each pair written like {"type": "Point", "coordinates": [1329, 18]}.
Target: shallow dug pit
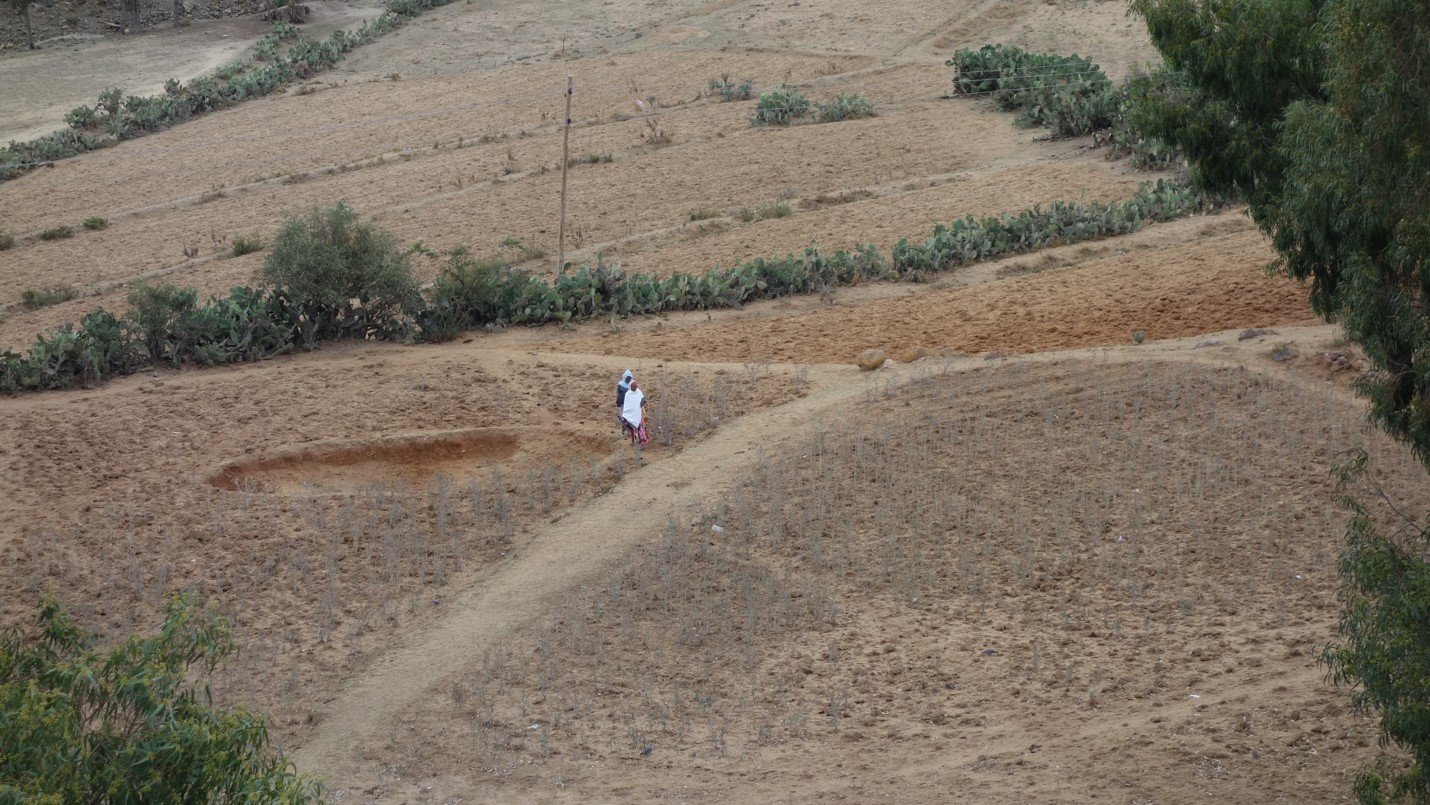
{"type": "Point", "coordinates": [412, 461]}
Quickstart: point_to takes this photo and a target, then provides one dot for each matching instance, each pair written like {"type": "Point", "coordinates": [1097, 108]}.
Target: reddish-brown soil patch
{"type": "Point", "coordinates": [412, 462]}
{"type": "Point", "coordinates": [1214, 283]}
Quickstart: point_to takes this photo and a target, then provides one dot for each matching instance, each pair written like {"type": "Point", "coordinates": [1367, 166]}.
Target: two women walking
{"type": "Point", "coordinates": [630, 408]}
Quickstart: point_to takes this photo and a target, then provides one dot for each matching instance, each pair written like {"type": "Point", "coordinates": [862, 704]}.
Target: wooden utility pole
{"type": "Point", "coordinates": [565, 164]}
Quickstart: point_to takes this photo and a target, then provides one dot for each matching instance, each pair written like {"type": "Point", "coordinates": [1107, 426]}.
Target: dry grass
{"type": "Point", "coordinates": [316, 580]}
{"type": "Point", "coordinates": [836, 199]}
{"type": "Point", "coordinates": [1034, 550]}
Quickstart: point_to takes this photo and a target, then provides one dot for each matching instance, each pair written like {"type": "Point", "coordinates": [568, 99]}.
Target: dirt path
{"type": "Point", "coordinates": [579, 546]}
{"type": "Point", "coordinates": [573, 549]}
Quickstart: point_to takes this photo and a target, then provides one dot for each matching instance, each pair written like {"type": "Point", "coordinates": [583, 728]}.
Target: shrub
{"type": "Point", "coordinates": [1005, 71]}
{"type": "Point", "coordinates": [775, 209]}
{"type": "Point", "coordinates": [1383, 651]}
{"type": "Point", "coordinates": [703, 214]}
{"type": "Point", "coordinates": [1071, 96]}
{"type": "Point", "coordinates": [845, 107]}
{"type": "Point", "coordinates": [44, 297]}
{"type": "Point", "coordinates": [730, 91]}
{"type": "Point", "coordinates": [7, 241]}
{"type": "Point", "coordinates": [351, 277]}
{"type": "Point", "coordinates": [1141, 94]}
{"type": "Point", "coordinates": [57, 233]}
{"type": "Point", "coordinates": [251, 324]}
{"type": "Point", "coordinates": [110, 100]}
{"type": "Point", "coordinates": [780, 107]}
{"type": "Point", "coordinates": [266, 48]}
{"type": "Point", "coordinates": [247, 244]}
{"type": "Point", "coordinates": [590, 159]}
{"type": "Point", "coordinates": [85, 723]}
{"type": "Point", "coordinates": [96, 223]}
{"type": "Point", "coordinates": [19, 158]}
{"type": "Point", "coordinates": [527, 251]}
{"type": "Point", "coordinates": [82, 118]}
{"type": "Point", "coordinates": [156, 314]}
{"type": "Point", "coordinates": [66, 357]}
{"type": "Point", "coordinates": [472, 292]}
{"type": "Point", "coordinates": [1068, 94]}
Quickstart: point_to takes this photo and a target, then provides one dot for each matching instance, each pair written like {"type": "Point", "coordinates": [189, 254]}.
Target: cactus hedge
{"type": "Point", "coordinates": [169, 326]}
{"type": "Point", "coordinates": [1069, 95]}
{"type": "Point", "coordinates": [115, 117]}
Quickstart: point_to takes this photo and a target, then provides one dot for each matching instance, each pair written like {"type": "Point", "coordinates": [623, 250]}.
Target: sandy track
{"type": "Point", "coordinates": [560, 556]}
{"type": "Point", "coordinates": [577, 547]}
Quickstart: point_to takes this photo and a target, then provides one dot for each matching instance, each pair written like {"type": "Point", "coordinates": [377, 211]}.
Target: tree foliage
{"type": "Point", "coordinates": [352, 276]}
{"type": "Point", "coordinates": [1317, 114]}
{"type": "Point", "coordinates": [1384, 654]}
{"type": "Point", "coordinates": [81, 723]}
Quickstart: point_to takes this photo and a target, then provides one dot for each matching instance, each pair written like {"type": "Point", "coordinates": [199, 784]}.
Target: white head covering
{"type": "Point", "coordinates": [626, 378]}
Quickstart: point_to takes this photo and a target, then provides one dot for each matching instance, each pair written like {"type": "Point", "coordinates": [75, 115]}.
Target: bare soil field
{"type": "Point", "coordinates": [1211, 283]}
{"type": "Point", "coordinates": [322, 522]}
{"type": "Point", "coordinates": [1041, 564]}
{"type": "Point", "coordinates": [435, 200]}
{"type": "Point", "coordinates": [1125, 601]}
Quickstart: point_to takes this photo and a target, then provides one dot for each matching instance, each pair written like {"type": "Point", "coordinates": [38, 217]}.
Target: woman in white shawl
{"type": "Point", "coordinates": [633, 413]}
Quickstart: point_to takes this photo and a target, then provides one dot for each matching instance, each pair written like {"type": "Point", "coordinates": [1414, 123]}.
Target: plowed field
{"type": "Point", "coordinates": [1083, 548]}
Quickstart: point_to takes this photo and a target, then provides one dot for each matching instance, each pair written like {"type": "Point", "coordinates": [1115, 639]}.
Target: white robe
{"type": "Point", "coordinates": [631, 411]}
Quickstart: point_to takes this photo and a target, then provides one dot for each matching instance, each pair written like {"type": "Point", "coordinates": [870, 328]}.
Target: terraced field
{"type": "Point", "coordinates": [1039, 563]}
